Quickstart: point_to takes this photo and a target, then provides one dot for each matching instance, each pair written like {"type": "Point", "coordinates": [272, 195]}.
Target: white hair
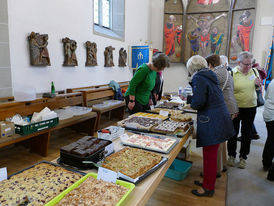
{"type": "Point", "coordinates": [224, 60]}
{"type": "Point", "coordinates": [196, 63]}
{"type": "Point", "coordinates": [245, 55]}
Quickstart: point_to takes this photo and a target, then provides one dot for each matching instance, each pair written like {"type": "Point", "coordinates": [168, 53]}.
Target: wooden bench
{"type": "Point", "coordinates": [39, 141]}
{"type": "Point", "coordinates": [6, 99]}
{"type": "Point", "coordinates": [97, 94]}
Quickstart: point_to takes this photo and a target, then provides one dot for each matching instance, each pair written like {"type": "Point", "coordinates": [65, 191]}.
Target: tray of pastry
{"type": "Point", "coordinates": [88, 148]}
{"type": "Point", "coordinates": [133, 164]}
{"type": "Point", "coordinates": [181, 118]}
{"type": "Point", "coordinates": [170, 111]}
{"type": "Point", "coordinates": [149, 115]}
{"type": "Point", "coordinates": [82, 192]}
{"type": "Point", "coordinates": [170, 105]}
{"type": "Point", "coordinates": [139, 123]}
{"type": "Point", "coordinates": [37, 184]}
{"type": "Point", "coordinates": [170, 127]}
{"type": "Point", "coordinates": [149, 141]}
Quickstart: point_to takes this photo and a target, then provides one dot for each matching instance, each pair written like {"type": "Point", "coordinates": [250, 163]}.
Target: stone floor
{"type": "Point", "coordinates": [249, 187]}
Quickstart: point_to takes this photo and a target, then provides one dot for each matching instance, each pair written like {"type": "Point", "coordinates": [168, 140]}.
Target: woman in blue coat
{"type": "Point", "coordinates": [214, 124]}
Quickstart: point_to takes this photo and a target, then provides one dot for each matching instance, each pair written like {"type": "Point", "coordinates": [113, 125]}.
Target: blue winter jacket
{"type": "Point", "coordinates": [214, 124]}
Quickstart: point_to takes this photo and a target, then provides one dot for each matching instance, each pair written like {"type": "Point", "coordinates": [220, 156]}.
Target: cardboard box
{"type": "Point", "coordinates": [6, 129]}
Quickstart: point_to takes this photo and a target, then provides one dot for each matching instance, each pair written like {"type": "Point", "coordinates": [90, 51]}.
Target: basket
{"type": "Point", "coordinates": [34, 127]}
{"type": "Point", "coordinates": [178, 170]}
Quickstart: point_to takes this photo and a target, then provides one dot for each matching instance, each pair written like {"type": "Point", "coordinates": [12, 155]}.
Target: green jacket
{"type": "Point", "coordinates": [141, 84]}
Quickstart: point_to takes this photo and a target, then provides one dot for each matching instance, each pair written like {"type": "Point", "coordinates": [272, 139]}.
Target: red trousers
{"type": "Point", "coordinates": [210, 166]}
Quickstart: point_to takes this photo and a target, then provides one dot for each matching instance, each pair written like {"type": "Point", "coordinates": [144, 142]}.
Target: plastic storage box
{"type": "Point", "coordinates": [178, 170]}
{"type": "Point", "coordinates": [34, 127]}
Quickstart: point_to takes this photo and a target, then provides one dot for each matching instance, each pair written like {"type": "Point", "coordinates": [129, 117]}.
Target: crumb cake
{"type": "Point", "coordinates": [132, 162]}
{"type": "Point", "coordinates": [37, 185]}
{"type": "Point", "coordinates": [94, 192]}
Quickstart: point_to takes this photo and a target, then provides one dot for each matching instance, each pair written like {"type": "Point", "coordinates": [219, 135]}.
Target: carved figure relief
{"type": "Point", "coordinates": [69, 48]}
{"type": "Point", "coordinates": [108, 53]}
{"type": "Point", "coordinates": [39, 55]}
{"type": "Point", "coordinates": [122, 57]}
{"type": "Point", "coordinates": [91, 54]}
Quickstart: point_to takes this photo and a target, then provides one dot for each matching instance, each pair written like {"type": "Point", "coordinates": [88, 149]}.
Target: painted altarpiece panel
{"type": "Point", "coordinates": [200, 6]}
{"type": "Point", "coordinates": [241, 33]}
{"type": "Point", "coordinates": [173, 31]}
{"type": "Point", "coordinates": [206, 34]}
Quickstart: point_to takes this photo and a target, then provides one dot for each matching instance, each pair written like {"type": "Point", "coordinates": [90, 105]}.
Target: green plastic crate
{"type": "Point", "coordinates": [178, 170]}
{"type": "Point", "coordinates": [34, 127]}
{"type": "Point", "coordinates": [58, 198]}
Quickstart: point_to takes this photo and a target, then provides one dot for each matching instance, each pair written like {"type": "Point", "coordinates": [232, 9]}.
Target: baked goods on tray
{"type": "Point", "coordinates": [151, 143]}
{"type": "Point", "coordinates": [170, 126]}
{"type": "Point", "coordinates": [94, 192]}
{"type": "Point", "coordinates": [144, 123]}
{"type": "Point", "coordinates": [85, 146]}
{"type": "Point", "coordinates": [149, 115]}
{"type": "Point", "coordinates": [132, 162]}
{"type": "Point", "coordinates": [37, 185]}
{"type": "Point", "coordinates": [170, 105]}
{"type": "Point", "coordinates": [181, 118]}
{"type": "Point", "coordinates": [170, 111]}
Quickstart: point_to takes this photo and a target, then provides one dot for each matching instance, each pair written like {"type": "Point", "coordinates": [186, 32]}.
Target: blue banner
{"type": "Point", "coordinates": [140, 55]}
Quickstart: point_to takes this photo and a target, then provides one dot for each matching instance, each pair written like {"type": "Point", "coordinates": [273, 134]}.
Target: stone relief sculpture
{"type": "Point", "coordinates": [69, 48]}
{"type": "Point", "coordinates": [122, 57]}
{"type": "Point", "coordinates": [108, 53]}
{"type": "Point", "coordinates": [39, 55]}
{"type": "Point", "coordinates": [91, 54]}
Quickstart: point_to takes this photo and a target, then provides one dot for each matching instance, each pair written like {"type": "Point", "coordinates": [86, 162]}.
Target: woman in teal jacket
{"type": "Point", "coordinates": [142, 83]}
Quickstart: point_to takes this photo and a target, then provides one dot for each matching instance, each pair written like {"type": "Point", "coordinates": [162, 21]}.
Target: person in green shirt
{"type": "Point", "coordinates": [142, 83]}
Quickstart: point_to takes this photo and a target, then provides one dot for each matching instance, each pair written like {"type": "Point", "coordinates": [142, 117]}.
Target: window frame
{"type": "Point", "coordinates": [110, 32]}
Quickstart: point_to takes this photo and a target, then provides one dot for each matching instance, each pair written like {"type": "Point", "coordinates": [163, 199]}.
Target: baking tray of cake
{"type": "Point", "coordinates": [142, 177]}
{"type": "Point", "coordinates": [129, 186]}
{"type": "Point", "coordinates": [89, 149]}
{"type": "Point", "coordinates": [28, 186]}
{"type": "Point", "coordinates": [133, 164]}
{"type": "Point", "coordinates": [47, 162]}
{"type": "Point", "coordinates": [149, 141]}
{"type": "Point", "coordinates": [172, 128]}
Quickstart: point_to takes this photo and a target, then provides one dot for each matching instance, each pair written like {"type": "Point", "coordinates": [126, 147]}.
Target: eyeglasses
{"type": "Point", "coordinates": [247, 65]}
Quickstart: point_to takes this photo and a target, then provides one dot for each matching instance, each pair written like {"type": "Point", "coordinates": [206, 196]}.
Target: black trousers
{"type": "Point", "coordinates": [246, 117]}
{"type": "Point", "coordinates": [138, 107]}
{"type": "Point", "coordinates": [268, 153]}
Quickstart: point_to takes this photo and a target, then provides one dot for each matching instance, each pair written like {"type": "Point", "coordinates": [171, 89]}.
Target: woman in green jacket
{"type": "Point", "coordinates": [142, 83]}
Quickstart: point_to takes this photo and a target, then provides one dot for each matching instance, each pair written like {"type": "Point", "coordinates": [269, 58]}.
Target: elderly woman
{"type": "Point", "coordinates": [214, 124]}
{"type": "Point", "coordinates": [227, 86]}
{"type": "Point", "coordinates": [245, 81]}
{"type": "Point", "coordinates": [142, 83]}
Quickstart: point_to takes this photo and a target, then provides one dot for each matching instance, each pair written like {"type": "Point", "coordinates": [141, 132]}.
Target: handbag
{"type": "Point", "coordinates": [260, 99]}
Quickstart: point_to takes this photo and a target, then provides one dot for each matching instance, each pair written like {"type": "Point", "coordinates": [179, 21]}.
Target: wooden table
{"type": "Point", "coordinates": [143, 190]}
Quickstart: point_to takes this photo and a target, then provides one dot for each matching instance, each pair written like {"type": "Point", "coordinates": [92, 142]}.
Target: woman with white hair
{"type": "Point", "coordinates": [246, 80]}
{"type": "Point", "coordinates": [214, 124]}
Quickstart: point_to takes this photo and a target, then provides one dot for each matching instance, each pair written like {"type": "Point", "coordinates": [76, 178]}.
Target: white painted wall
{"type": "Point", "coordinates": [73, 19]}
{"type": "Point", "coordinates": [263, 33]}
{"type": "Point", "coordinates": [176, 75]}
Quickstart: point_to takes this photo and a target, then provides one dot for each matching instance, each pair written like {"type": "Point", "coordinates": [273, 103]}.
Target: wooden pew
{"type": "Point", "coordinates": [39, 141]}
{"type": "Point", "coordinates": [96, 94]}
